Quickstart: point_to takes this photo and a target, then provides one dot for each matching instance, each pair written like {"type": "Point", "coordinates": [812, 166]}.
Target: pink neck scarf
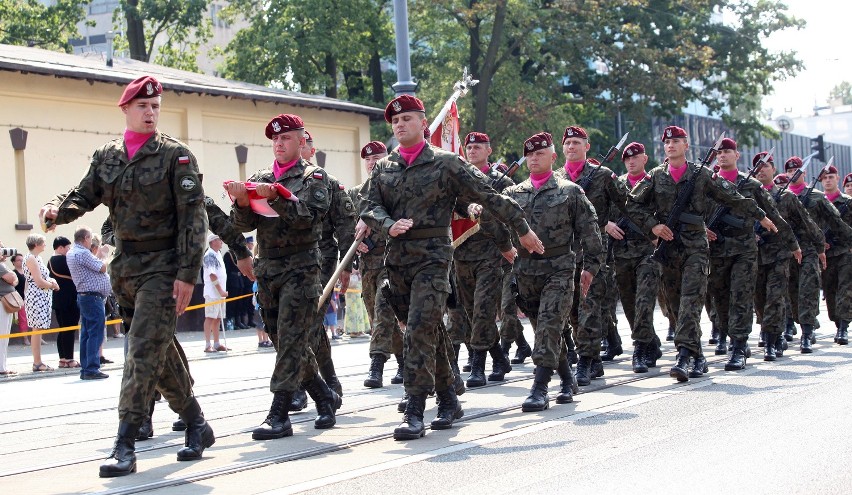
{"type": "Point", "coordinates": [574, 169]}
{"type": "Point", "coordinates": [634, 179]}
{"type": "Point", "coordinates": [538, 180]}
{"type": "Point", "coordinates": [411, 154]}
{"type": "Point", "coordinates": [133, 141]}
{"type": "Point", "coordinates": [832, 197]}
{"type": "Point", "coordinates": [485, 168]}
{"type": "Point", "coordinates": [769, 186]}
{"type": "Point", "coordinates": [797, 188]}
{"type": "Point", "coordinates": [279, 170]}
{"type": "Point", "coordinates": [677, 172]}
{"type": "Point", "coordinates": [729, 175]}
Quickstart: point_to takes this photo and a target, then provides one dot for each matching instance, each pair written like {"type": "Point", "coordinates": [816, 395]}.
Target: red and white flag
{"type": "Point", "coordinates": [446, 136]}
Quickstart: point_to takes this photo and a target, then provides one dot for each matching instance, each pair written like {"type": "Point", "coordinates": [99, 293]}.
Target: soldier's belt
{"type": "Point", "coordinates": [134, 247]}
{"type": "Point", "coordinates": [691, 222]}
{"type": "Point", "coordinates": [731, 220]}
{"type": "Point", "coordinates": [426, 233]}
{"type": "Point", "coordinates": [286, 251]}
{"type": "Point", "coordinates": [549, 252]}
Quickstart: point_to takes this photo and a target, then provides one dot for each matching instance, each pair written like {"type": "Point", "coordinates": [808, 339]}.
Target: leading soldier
{"type": "Point", "coordinates": [150, 183]}
{"type": "Point", "coordinates": [410, 198]}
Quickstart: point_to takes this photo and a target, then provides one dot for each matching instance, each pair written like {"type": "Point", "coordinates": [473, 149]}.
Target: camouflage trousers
{"type": "Point", "coordinates": [608, 309]}
{"type": "Point", "coordinates": [288, 296]}
{"type": "Point", "coordinates": [479, 285]}
{"type": "Point", "coordinates": [152, 360]}
{"type": "Point", "coordinates": [731, 285]}
{"type": "Point", "coordinates": [638, 281]}
{"type": "Point", "coordinates": [458, 323]}
{"type": "Point", "coordinates": [664, 306]}
{"type": "Point", "coordinates": [319, 338]}
{"type": "Point", "coordinates": [837, 287]}
{"type": "Point", "coordinates": [770, 292]}
{"type": "Point", "coordinates": [552, 295]}
{"type": "Point", "coordinates": [510, 324]}
{"type": "Point", "coordinates": [803, 286]}
{"type": "Point", "coordinates": [385, 335]}
{"type": "Point", "coordinates": [684, 279]}
{"type": "Point", "coordinates": [590, 321]}
{"type": "Point", "coordinates": [427, 348]}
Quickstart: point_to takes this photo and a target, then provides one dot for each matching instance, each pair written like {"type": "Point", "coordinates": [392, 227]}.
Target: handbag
{"type": "Point", "coordinates": [12, 302]}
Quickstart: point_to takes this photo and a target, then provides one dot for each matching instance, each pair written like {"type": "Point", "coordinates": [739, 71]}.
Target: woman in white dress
{"type": "Point", "coordinates": [38, 295]}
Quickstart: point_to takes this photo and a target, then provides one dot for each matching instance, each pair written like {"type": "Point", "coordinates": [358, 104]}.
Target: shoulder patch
{"type": "Point", "coordinates": [183, 160]}
{"type": "Point", "coordinates": [208, 201]}
{"type": "Point", "coordinates": [349, 206]}
{"type": "Point", "coordinates": [188, 183]}
{"type": "Point", "coordinates": [317, 175]}
{"type": "Point", "coordinates": [319, 194]}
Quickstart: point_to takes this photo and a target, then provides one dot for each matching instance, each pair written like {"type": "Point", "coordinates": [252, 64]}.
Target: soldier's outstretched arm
{"type": "Point", "coordinates": [472, 187]}
{"type": "Point", "coordinates": [221, 225]}
{"type": "Point", "coordinates": [739, 205]}
{"type": "Point", "coordinates": [640, 208]}
{"type": "Point", "coordinates": [85, 197]}
{"type": "Point", "coordinates": [840, 229]}
{"type": "Point", "coordinates": [765, 202]}
{"type": "Point", "coordinates": [587, 231]}
{"type": "Point", "coordinates": [314, 202]}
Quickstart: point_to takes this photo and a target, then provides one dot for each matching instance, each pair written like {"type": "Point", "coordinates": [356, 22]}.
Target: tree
{"type": "Point", "coordinates": [31, 23]}
{"type": "Point", "coordinates": [181, 23]}
{"type": "Point", "coordinates": [842, 92]}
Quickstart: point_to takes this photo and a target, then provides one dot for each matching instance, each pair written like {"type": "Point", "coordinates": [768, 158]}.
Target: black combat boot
{"type": "Point", "coordinates": [537, 400]}
{"type": "Point", "coordinates": [670, 336]}
{"type": "Point", "coordinates": [400, 367]}
{"type": "Point", "coordinates": [714, 336]}
{"type": "Point", "coordinates": [761, 341]}
{"type": "Point", "coordinates": [769, 352]}
{"type": "Point", "coordinates": [789, 330]}
{"type": "Point", "coordinates": [780, 345]}
{"type": "Point", "coordinates": [467, 367]}
{"type": "Point", "coordinates": [722, 345]}
{"type": "Point", "coordinates": [506, 346]}
{"type": "Point", "coordinates": [640, 364]}
{"type": "Point", "coordinates": [653, 352]}
{"type": "Point", "coordinates": [499, 364]}
{"type": "Point", "coordinates": [612, 350]}
{"type": "Point", "coordinates": [146, 431]}
{"type": "Point", "coordinates": [403, 402]}
{"type": "Point", "coordinates": [604, 344]}
{"type": "Point", "coordinates": [477, 370]}
{"type": "Point", "coordinates": [326, 400]}
{"type": "Point", "coordinates": [449, 409]}
{"type": "Point", "coordinates": [298, 401]}
{"type": "Point", "coordinates": [597, 369]}
{"type": "Point", "coordinates": [843, 338]}
{"type": "Point", "coordinates": [738, 356]}
{"type": "Point", "coordinates": [178, 425]}
{"type": "Point", "coordinates": [524, 350]}
{"type": "Point", "coordinates": [330, 376]}
{"type": "Point", "coordinates": [199, 435]}
{"type": "Point", "coordinates": [584, 371]}
{"type": "Point", "coordinates": [122, 460]}
{"type": "Point", "coordinates": [699, 367]}
{"type": "Point", "coordinates": [805, 345]}
{"type": "Point", "coordinates": [680, 370]}
{"type": "Point", "coordinates": [277, 419]}
{"type": "Point", "coordinates": [412, 427]}
{"type": "Point", "coordinates": [567, 386]}
{"type": "Point", "coordinates": [377, 367]}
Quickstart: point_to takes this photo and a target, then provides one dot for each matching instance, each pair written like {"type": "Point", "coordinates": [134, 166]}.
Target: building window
{"type": "Point", "coordinates": [102, 7]}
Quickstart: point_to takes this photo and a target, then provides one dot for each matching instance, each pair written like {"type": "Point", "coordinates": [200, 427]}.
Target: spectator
{"type": "Point", "coordinates": [101, 252]}
{"type": "Point", "coordinates": [89, 274]}
{"type": "Point", "coordinates": [248, 307]}
{"type": "Point", "coordinates": [8, 279]}
{"type": "Point", "coordinates": [38, 295]}
{"type": "Point", "coordinates": [215, 280]}
{"type": "Point", "coordinates": [356, 323]}
{"type": "Point", "coordinates": [330, 320]}
{"type": "Point", "coordinates": [234, 287]}
{"type": "Point", "coordinates": [64, 302]}
{"type": "Point", "coordinates": [18, 263]}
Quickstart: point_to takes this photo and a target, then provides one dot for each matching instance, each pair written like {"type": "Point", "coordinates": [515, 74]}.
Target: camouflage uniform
{"type": "Point", "coordinates": [156, 204]}
{"type": "Point", "coordinates": [418, 261]}
{"type": "Point", "coordinates": [837, 280]}
{"type": "Point", "coordinates": [458, 322]}
{"type": "Point", "coordinates": [561, 213]}
{"type": "Point", "coordinates": [774, 261]}
{"type": "Point", "coordinates": [733, 261]}
{"type": "Point", "coordinates": [606, 194]}
{"type": "Point", "coordinates": [684, 274]}
{"type": "Point", "coordinates": [288, 268]}
{"type": "Point", "coordinates": [510, 324]}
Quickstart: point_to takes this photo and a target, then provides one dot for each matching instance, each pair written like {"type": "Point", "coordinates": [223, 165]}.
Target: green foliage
{"type": "Point", "coordinates": [31, 23]}
{"type": "Point", "coordinates": [842, 92]}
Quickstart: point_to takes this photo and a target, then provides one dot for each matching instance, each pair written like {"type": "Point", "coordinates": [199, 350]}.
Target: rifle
{"type": "Point", "coordinates": [758, 229]}
{"type": "Point", "coordinates": [829, 237]}
{"type": "Point", "coordinates": [806, 199]}
{"type": "Point", "coordinates": [683, 198]}
{"type": "Point", "coordinates": [586, 181]}
{"type": "Point", "coordinates": [508, 172]}
{"type": "Point", "coordinates": [721, 213]}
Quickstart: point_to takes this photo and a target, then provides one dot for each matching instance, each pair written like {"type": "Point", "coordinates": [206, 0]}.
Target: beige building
{"type": "Point", "coordinates": [67, 105]}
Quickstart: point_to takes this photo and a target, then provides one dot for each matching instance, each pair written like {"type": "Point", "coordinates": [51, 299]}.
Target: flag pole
{"type": "Point", "coordinates": [460, 88]}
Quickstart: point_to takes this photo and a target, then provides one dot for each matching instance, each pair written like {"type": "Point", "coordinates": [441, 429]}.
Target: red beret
{"type": "Point", "coordinates": [284, 123]}
{"type": "Point", "coordinates": [847, 179]}
{"type": "Point", "coordinates": [574, 131]}
{"type": "Point", "coordinates": [476, 137]}
{"type": "Point", "coordinates": [402, 104]}
{"type": "Point", "coordinates": [728, 144]}
{"type": "Point", "coordinates": [308, 137]}
{"type": "Point", "coordinates": [781, 179]}
{"type": "Point", "coordinates": [830, 169]}
{"type": "Point", "coordinates": [373, 148]}
{"type": "Point", "coordinates": [632, 149]}
{"type": "Point", "coordinates": [540, 141]}
{"type": "Point", "coordinates": [793, 162]}
{"type": "Point", "coordinates": [593, 161]}
{"type": "Point", "coordinates": [143, 87]}
{"type": "Point", "coordinates": [673, 131]}
{"type": "Point", "coordinates": [759, 157]}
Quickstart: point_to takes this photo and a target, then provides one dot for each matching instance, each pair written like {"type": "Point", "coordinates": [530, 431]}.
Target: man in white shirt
{"type": "Point", "coordinates": [215, 278]}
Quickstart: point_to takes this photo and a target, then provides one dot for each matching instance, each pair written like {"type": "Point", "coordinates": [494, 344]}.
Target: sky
{"type": "Point", "coordinates": [823, 47]}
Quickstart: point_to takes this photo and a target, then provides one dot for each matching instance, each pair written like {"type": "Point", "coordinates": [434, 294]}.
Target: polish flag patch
{"type": "Point", "coordinates": [342, 187]}
{"type": "Point", "coordinates": [318, 175]}
{"type": "Point", "coordinates": [183, 160]}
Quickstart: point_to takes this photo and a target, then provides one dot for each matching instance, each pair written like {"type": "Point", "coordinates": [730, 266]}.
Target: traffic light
{"type": "Point", "coordinates": [818, 145]}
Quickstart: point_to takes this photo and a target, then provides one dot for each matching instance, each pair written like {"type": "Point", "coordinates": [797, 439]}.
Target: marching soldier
{"type": "Point", "coordinates": [411, 195]}
{"type": "Point", "coordinates": [151, 186]}
{"type": "Point", "coordinates": [636, 274]}
{"type": "Point", "coordinates": [847, 184]}
{"type": "Point", "coordinates": [560, 210]}
{"type": "Point", "coordinates": [479, 277]}
{"type": "Point", "coordinates": [733, 256]}
{"type": "Point", "coordinates": [605, 194]}
{"type": "Point", "coordinates": [837, 280]}
{"type": "Point", "coordinates": [385, 335]}
{"type": "Point", "coordinates": [288, 270]}
{"type": "Point", "coordinates": [684, 273]}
